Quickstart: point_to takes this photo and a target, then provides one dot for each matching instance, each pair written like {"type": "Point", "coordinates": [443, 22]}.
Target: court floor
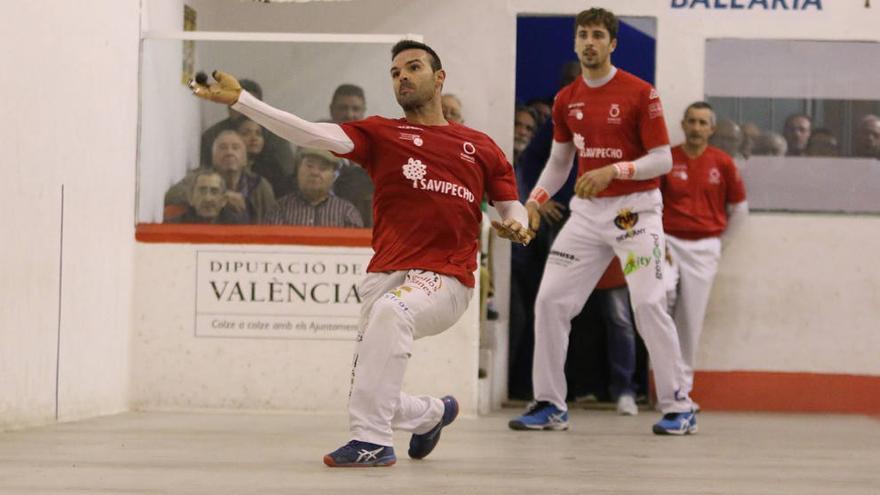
{"type": "Point", "coordinates": [238, 453]}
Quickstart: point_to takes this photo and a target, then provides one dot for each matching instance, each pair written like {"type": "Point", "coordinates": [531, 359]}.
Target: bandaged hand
{"type": "Point", "coordinates": [512, 230]}
{"type": "Point", "coordinates": [225, 90]}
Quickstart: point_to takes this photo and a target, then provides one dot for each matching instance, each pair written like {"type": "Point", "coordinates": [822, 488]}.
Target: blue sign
{"type": "Point", "coordinates": [748, 4]}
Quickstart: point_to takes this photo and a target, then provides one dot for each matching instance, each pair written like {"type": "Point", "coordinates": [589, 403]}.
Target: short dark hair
{"type": "Point", "coordinates": [252, 87]}
{"type": "Point", "coordinates": [416, 45]}
{"type": "Point", "coordinates": [700, 105]}
{"type": "Point", "coordinates": [596, 15]}
{"type": "Point", "coordinates": [798, 116]}
{"type": "Point", "coordinates": [348, 90]}
{"type": "Point", "coordinates": [205, 172]}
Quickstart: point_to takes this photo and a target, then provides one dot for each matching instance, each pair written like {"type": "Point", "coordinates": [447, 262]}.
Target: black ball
{"type": "Point", "coordinates": [201, 78]}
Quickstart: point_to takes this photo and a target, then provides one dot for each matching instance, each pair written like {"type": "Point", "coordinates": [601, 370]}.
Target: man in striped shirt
{"type": "Point", "coordinates": [312, 204]}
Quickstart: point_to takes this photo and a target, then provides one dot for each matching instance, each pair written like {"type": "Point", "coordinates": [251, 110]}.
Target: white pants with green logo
{"type": "Point", "coordinates": [630, 227]}
{"type": "Point", "coordinates": [693, 266]}
{"type": "Point", "coordinates": [398, 307]}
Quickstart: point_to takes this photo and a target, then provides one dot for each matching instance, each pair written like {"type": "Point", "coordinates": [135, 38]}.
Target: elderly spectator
{"type": "Point", "coordinates": [728, 137]}
{"type": "Point", "coordinates": [797, 133]}
{"type": "Point", "coordinates": [770, 144]}
{"type": "Point", "coordinates": [451, 108]}
{"type": "Point", "coordinates": [822, 143]}
{"type": "Point", "coordinates": [751, 132]}
{"type": "Point", "coordinates": [867, 142]}
{"type": "Point", "coordinates": [207, 201]}
{"type": "Point", "coordinates": [248, 195]}
{"type": "Point", "coordinates": [312, 204]}
{"type": "Point", "coordinates": [525, 122]}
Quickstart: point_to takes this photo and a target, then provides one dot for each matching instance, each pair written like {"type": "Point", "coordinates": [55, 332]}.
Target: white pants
{"type": "Point", "coordinates": [694, 265]}
{"type": "Point", "coordinates": [398, 307]}
{"type": "Point", "coordinates": [596, 232]}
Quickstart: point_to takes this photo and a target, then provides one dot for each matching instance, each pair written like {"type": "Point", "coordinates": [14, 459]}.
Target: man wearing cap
{"type": "Point", "coordinates": [311, 204]}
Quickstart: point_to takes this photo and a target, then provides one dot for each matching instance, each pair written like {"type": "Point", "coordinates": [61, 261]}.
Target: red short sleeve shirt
{"type": "Point", "coordinates": [618, 121]}
{"type": "Point", "coordinates": [429, 182]}
{"type": "Point", "coordinates": [696, 193]}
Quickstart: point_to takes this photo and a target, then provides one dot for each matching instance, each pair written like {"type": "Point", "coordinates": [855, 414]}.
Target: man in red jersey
{"type": "Point", "coordinates": [614, 122]}
{"type": "Point", "coordinates": [430, 175]}
{"type": "Point", "coordinates": [704, 202]}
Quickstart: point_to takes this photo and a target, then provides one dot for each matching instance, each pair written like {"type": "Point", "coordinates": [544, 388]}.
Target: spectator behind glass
{"type": "Point", "coordinates": [207, 201]}
{"type": "Point", "coordinates": [451, 108]}
{"type": "Point", "coordinates": [259, 160]}
{"type": "Point", "coordinates": [770, 144]}
{"type": "Point", "coordinates": [797, 133]}
{"type": "Point", "coordinates": [525, 122]}
{"type": "Point", "coordinates": [751, 133]}
{"type": "Point", "coordinates": [352, 183]}
{"type": "Point", "coordinates": [248, 195]}
{"type": "Point", "coordinates": [867, 143]}
{"type": "Point", "coordinates": [729, 137]}
{"type": "Point", "coordinates": [822, 143]}
{"type": "Point", "coordinates": [542, 107]}
{"type": "Point", "coordinates": [312, 204]}
{"type": "Point", "coordinates": [276, 150]}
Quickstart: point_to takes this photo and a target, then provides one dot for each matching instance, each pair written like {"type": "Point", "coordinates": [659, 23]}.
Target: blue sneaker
{"type": "Point", "coordinates": [422, 445]}
{"type": "Point", "coordinates": [541, 416]}
{"type": "Point", "coordinates": [682, 423]}
{"type": "Point", "coordinates": [361, 454]}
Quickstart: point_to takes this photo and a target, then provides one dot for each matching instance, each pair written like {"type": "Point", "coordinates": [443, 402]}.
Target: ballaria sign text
{"type": "Point", "coordinates": [748, 4]}
{"type": "Point", "coordinates": [278, 295]}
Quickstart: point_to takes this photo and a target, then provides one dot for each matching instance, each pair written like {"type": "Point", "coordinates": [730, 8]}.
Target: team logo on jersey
{"type": "Point", "coordinates": [614, 114]}
{"type": "Point", "coordinates": [415, 138]}
{"type": "Point", "coordinates": [626, 220]}
{"type": "Point", "coordinates": [679, 171]}
{"type": "Point", "coordinates": [584, 152]}
{"type": "Point", "coordinates": [576, 113]}
{"type": "Point", "coordinates": [416, 171]}
{"type": "Point", "coordinates": [469, 150]}
{"type": "Point", "coordinates": [714, 176]}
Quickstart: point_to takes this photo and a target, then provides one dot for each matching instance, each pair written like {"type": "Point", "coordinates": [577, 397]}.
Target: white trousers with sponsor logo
{"type": "Point", "coordinates": [398, 307]}
{"type": "Point", "coordinates": [694, 264]}
{"type": "Point", "coordinates": [579, 256]}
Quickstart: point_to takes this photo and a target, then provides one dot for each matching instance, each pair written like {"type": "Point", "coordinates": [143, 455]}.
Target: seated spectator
{"type": "Point", "coordinates": [867, 142]}
{"type": "Point", "coordinates": [770, 144]}
{"type": "Point", "coordinates": [451, 108]}
{"type": "Point", "coordinates": [543, 108]}
{"type": "Point", "coordinates": [248, 195]}
{"type": "Point", "coordinates": [312, 204]}
{"type": "Point", "coordinates": [729, 137]}
{"type": "Point", "coordinates": [275, 147]}
{"type": "Point", "coordinates": [751, 133]}
{"type": "Point", "coordinates": [525, 122]}
{"type": "Point", "coordinates": [260, 160]}
{"type": "Point", "coordinates": [797, 133]}
{"type": "Point", "coordinates": [207, 201]}
{"type": "Point", "coordinates": [352, 183]}
{"type": "Point", "coordinates": [822, 143]}
{"type": "Point", "coordinates": [348, 104]}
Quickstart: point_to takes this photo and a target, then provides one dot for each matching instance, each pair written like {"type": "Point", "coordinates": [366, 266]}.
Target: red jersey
{"type": "Point", "coordinates": [696, 193]}
{"type": "Point", "coordinates": [618, 121]}
{"type": "Point", "coordinates": [613, 276]}
{"type": "Point", "coordinates": [429, 181]}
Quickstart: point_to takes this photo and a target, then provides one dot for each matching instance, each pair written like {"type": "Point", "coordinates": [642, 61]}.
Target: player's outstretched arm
{"type": "Point", "coordinates": [300, 132]}
{"type": "Point", "coordinates": [514, 223]}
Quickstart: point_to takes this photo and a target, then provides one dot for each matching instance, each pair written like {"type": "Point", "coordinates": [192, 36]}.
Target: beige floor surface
{"type": "Point", "coordinates": [206, 453]}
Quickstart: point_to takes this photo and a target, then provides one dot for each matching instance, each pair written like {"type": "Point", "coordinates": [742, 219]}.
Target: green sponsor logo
{"type": "Point", "coordinates": [634, 262]}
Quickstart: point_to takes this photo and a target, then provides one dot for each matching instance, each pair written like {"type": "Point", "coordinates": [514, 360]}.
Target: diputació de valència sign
{"type": "Point", "coordinates": [297, 295]}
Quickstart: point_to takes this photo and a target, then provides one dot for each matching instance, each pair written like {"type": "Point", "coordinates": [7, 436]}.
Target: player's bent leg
{"type": "Point", "coordinates": [422, 444]}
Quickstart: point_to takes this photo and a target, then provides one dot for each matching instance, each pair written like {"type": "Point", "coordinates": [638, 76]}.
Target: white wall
{"type": "Point", "coordinates": [71, 100]}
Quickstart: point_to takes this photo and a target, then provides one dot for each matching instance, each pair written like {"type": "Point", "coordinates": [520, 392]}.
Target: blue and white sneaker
{"type": "Point", "coordinates": [541, 415]}
{"type": "Point", "coordinates": [682, 423]}
{"type": "Point", "coordinates": [422, 445]}
{"type": "Point", "coordinates": [361, 454]}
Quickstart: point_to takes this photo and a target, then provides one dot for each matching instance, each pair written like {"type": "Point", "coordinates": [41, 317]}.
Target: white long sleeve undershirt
{"type": "Point", "coordinates": [325, 136]}
{"type": "Point", "coordinates": [513, 209]}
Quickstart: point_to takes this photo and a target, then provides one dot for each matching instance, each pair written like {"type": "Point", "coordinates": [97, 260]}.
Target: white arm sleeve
{"type": "Point", "coordinates": [514, 210]}
{"type": "Point", "coordinates": [657, 162]}
{"type": "Point", "coordinates": [737, 213]}
{"type": "Point", "coordinates": [300, 132]}
{"type": "Point", "coordinates": [557, 168]}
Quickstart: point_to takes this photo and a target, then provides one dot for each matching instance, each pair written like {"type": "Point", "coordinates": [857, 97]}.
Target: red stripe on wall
{"type": "Point", "coordinates": [787, 392]}
{"type": "Point", "coordinates": [252, 234]}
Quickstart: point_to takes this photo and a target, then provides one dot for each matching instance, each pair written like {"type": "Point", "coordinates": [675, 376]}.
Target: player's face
{"type": "Point", "coordinates": [593, 46]}
{"type": "Point", "coordinates": [415, 82]}
{"type": "Point", "coordinates": [347, 108]}
{"type": "Point", "coordinates": [697, 126]}
{"type": "Point", "coordinates": [208, 196]}
{"type": "Point", "coordinates": [229, 153]}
